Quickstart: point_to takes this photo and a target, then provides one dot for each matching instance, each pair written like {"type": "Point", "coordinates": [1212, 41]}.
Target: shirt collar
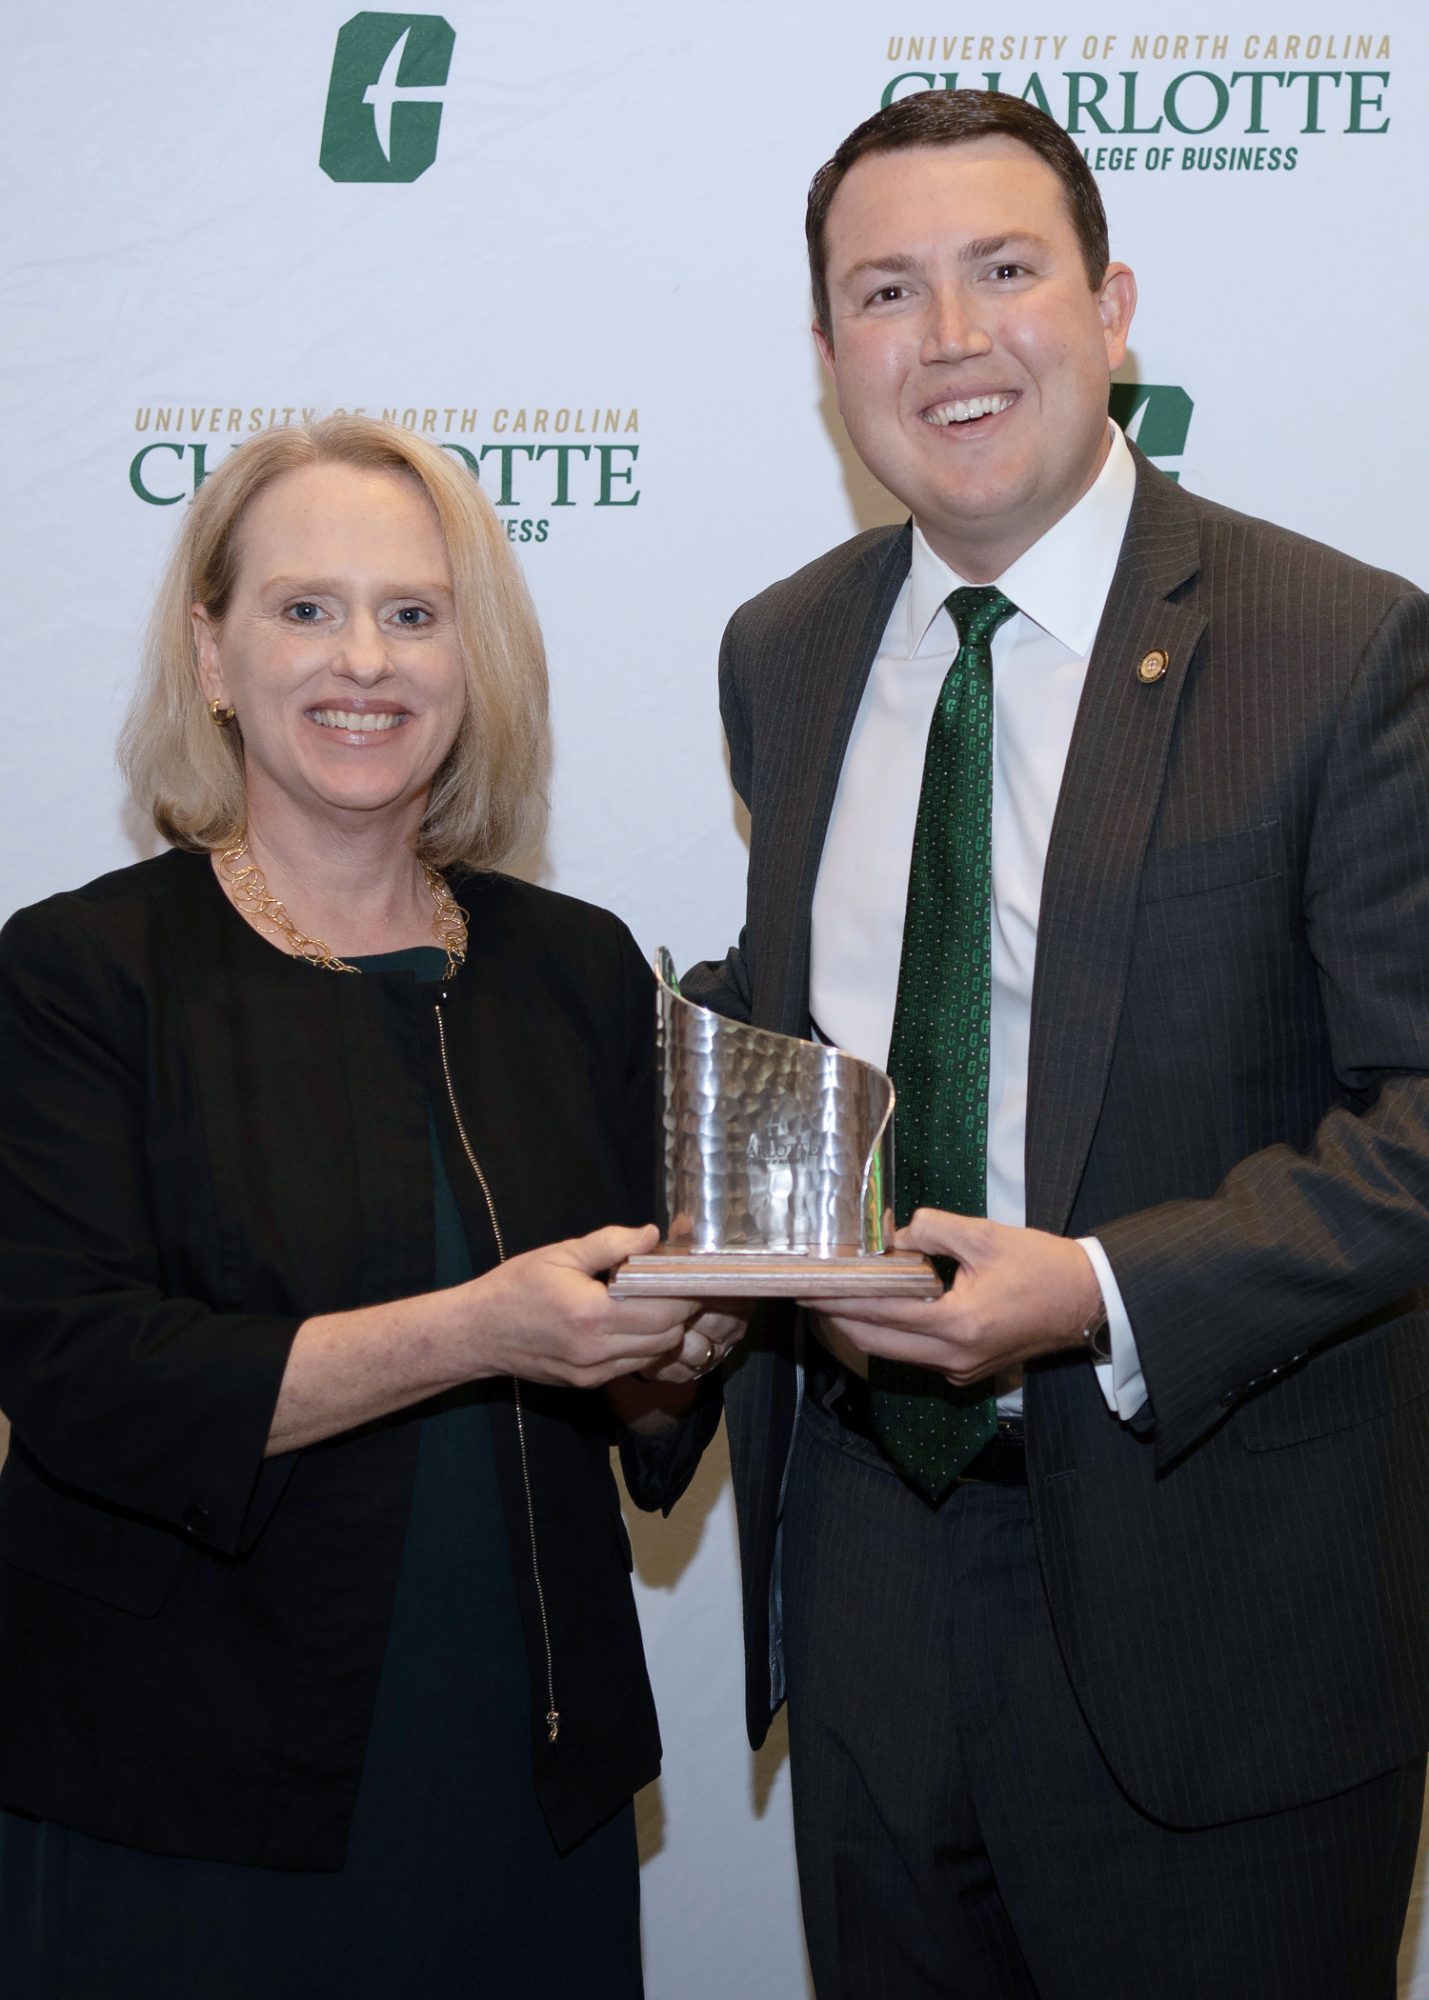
{"type": "Point", "coordinates": [1062, 582]}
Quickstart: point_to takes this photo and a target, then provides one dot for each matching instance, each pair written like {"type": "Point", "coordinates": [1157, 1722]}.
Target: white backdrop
{"type": "Point", "coordinates": [594, 286]}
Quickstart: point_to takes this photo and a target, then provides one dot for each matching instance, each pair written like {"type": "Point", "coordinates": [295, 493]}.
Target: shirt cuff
{"type": "Point", "coordinates": [1120, 1379]}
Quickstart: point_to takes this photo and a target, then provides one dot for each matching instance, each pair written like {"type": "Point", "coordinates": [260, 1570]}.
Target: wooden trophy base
{"type": "Point", "coordinates": [671, 1273]}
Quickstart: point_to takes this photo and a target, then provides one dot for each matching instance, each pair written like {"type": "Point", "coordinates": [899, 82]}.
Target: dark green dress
{"type": "Point", "coordinates": [452, 1886]}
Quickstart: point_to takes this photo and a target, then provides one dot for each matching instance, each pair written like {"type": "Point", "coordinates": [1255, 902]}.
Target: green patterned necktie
{"type": "Point", "coordinates": [939, 1054]}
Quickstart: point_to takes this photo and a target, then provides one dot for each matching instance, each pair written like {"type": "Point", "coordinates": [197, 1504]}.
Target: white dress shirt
{"type": "Point", "coordinates": [1039, 664]}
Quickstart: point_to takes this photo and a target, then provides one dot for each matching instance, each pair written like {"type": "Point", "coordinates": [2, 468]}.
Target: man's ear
{"type": "Point", "coordinates": [825, 346]}
{"type": "Point", "coordinates": [1116, 303]}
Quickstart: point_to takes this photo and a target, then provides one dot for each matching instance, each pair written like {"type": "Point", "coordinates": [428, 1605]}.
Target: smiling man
{"type": "Point", "coordinates": [1096, 813]}
{"type": "Point", "coordinates": [969, 331]}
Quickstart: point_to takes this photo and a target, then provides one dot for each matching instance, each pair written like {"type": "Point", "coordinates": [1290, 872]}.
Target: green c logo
{"type": "Point", "coordinates": [384, 99]}
{"type": "Point", "coordinates": [1155, 415]}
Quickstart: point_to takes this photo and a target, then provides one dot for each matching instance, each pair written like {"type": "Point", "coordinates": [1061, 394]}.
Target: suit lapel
{"type": "Point", "coordinates": [827, 676]}
{"type": "Point", "coordinates": [1111, 788]}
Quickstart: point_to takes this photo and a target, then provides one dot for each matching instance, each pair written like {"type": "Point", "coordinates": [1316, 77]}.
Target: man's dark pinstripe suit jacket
{"type": "Point", "coordinates": [1229, 1085]}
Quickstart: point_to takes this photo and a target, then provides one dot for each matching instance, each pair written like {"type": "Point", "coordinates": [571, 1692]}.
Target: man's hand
{"type": "Point", "coordinates": [1016, 1293]}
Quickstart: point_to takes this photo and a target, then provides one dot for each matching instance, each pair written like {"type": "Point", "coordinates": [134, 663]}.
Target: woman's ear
{"type": "Point", "coordinates": [210, 666]}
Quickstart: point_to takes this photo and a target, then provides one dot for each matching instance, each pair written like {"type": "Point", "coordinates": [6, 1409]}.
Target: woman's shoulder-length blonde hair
{"type": "Point", "coordinates": [488, 799]}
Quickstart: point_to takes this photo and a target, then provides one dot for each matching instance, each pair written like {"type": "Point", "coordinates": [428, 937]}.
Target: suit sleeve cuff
{"type": "Point", "coordinates": [659, 1465]}
{"type": "Point", "coordinates": [1120, 1379]}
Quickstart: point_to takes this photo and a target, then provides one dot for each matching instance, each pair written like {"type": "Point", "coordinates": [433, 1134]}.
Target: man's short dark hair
{"type": "Point", "coordinates": [946, 118]}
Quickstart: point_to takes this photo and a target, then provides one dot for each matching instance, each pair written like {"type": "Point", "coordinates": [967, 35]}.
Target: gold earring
{"type": "Point", "coordinates": [221, 715]}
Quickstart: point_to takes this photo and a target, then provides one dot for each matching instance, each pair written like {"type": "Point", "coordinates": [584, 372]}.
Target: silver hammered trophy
{"type": "Point", "coordinates": [777, 1180]}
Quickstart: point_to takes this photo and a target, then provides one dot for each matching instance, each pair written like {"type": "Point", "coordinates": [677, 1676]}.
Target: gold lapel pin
{"type": "Point", "coordinates": [1152, 665]}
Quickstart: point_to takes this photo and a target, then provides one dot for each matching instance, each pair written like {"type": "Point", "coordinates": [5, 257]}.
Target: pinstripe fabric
{"type": "Point", "coordinates": [842, 603]}
{"type": "Point", "coordinates": [960, 1836]}
{"type": "Point", "coordinates": [1230, 1046]}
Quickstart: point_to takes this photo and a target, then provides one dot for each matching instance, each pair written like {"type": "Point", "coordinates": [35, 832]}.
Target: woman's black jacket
{"type": "Point", "coordinates": [202, 1142]}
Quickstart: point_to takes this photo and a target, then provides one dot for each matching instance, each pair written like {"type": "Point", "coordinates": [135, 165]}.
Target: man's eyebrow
{"type": "Point", "coordinates": [991, 246]}
{"type": "Point", "coordinates": [899, 263]}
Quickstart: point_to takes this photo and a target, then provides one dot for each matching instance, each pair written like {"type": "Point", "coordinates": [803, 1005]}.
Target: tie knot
{"type": "Point", "coordinates": [977, 611]}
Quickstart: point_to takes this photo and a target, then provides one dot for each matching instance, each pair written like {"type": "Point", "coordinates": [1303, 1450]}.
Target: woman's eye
{"type": "Point", "coordinates": [304, 612]}
{"type": "Point", "coordinates": [413, 614]}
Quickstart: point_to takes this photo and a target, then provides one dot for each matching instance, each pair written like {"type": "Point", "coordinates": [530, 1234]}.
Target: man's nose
{"type": "Point", "coordinates": [953, 329]}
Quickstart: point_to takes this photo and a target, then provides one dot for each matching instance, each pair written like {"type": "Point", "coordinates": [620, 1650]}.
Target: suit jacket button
{"type": "Point", "coordinates": [198, 1521]}
{"type": "Point", "coordinates": [1152, 665]}
{"type": "Point", "coordinates": [1230, 1399]}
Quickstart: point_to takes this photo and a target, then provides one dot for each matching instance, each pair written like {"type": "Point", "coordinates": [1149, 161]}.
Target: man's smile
{"type": "Point", "coordinates": [968, 410]}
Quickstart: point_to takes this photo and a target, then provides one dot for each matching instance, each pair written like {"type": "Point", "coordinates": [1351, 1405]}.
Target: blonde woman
{"type": "Point", "coordinates": [319, 1669]}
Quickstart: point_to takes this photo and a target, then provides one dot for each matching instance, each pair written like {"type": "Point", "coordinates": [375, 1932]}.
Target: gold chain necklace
{"type": "Point", "coordinates": [251, 894]}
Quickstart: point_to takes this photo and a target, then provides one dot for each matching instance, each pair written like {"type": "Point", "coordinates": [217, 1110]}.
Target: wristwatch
{"type": "Point", "coordinates": [1097, 1334]}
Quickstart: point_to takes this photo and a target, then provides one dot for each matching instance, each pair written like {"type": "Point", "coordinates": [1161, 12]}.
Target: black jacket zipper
{"type": "Point", "coordinates": [553, 1714]}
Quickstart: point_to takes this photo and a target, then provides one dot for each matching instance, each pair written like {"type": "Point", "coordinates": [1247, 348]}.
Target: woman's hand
{"type": "Point", "coordinates": [657, 1398]}
{"type": "Point", "coordinates": [547, 1316]}
{"type": "Point", "coordinates": [708, 1339]}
